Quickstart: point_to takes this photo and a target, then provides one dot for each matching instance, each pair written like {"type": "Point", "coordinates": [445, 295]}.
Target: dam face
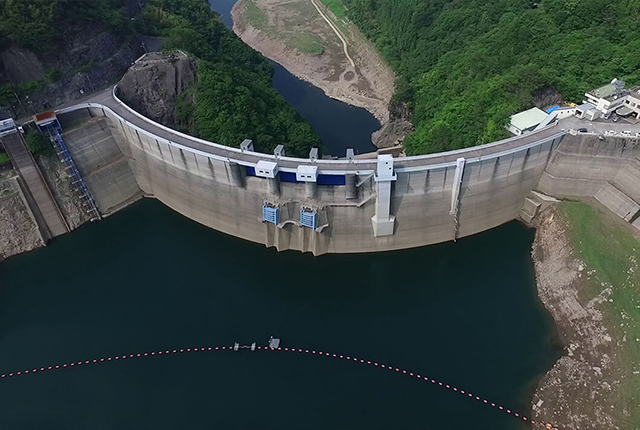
{"type": "Point", "coordinates": [328, 206]}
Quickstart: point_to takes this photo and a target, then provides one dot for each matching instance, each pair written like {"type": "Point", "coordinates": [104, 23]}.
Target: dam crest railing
{"type": "Point", "coordinates": [325, 166]}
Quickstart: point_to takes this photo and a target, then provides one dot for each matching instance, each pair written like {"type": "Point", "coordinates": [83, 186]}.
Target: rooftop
{"type": "Point", "coordinates": [609, 91]}
{"type": "Point", "coordinates": [527, 119]}
{"type": "Point", "coordinates": [585, 107]}
{"type": "Point", "coordinates": [45, 117]}
{"type": "Point", "coordinates": [624, 111]}
{"type": "Point", "coordinates": [604, 91]}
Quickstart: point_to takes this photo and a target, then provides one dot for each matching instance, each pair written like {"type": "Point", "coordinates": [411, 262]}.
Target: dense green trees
{"type": "Point", "coordinates": [232, 99]}
{"type": "Point", "coordinates": [465, 65]}
{"type": "Point", "coordinates": [38, 24]}
{"type": "Point", "coordinates": [36, 142]}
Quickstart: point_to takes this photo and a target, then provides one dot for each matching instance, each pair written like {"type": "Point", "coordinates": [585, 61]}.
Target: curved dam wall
{"type": "Point", "coordinates": [357, 205]}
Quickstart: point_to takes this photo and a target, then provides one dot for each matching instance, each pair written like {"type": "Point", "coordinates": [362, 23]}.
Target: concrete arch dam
{"type": "Point", "coordinates": [326, 206]}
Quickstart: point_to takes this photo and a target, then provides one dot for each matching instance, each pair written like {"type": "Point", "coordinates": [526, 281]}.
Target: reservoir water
{"type": "Point", "coordinates": [338, 124]}
{"type": "Point", "coordinates": [148, 279]}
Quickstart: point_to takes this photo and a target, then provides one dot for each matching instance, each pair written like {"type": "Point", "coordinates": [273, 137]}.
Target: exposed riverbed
{"type": "Point", "coordinates": [338, 124]}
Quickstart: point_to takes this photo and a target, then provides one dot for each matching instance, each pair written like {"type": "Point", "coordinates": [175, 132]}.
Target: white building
{"type": "Point", "coordinates": [526, 121]}
{"type": "Point", "coordinates": [631, 107]}
{"type": "Point", "coordinates": [587, 111]}
{"type": "Point", "coordinates": [565, 112]}
{"type": "Point", "coordinates": [606, 99]}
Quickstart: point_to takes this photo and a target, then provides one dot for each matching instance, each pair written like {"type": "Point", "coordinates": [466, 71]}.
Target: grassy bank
{"type": "Point", "coordinates": [611, 253]}
{"type": "Point", "coordinates": [336, 7]}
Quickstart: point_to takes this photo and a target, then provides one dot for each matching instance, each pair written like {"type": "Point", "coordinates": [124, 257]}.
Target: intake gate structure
{"type": "Point", "coordinates": [327, 206]}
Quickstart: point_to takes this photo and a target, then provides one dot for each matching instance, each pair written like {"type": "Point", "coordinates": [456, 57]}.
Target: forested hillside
{"type": "Point", "coordinates": [37, 38]}
{"type": "Point", "coordinates": [465, 65]}
{"type": "Point", "coordinates": [39, 24]}
{"type": "Point", "coordinates": [233, 98]}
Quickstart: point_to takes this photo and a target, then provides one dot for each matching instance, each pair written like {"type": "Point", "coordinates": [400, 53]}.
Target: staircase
{"type": "Point", "coordinates": [53, 133]}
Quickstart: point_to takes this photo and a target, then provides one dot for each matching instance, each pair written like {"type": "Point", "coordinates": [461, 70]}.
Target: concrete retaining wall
{"type": "Point", "coordinates": [607, 169]}
{"type": "Point", "coordinates": [495, 181]}
{"type": "Point", "coordinates": [582, 165]}
{"type": "Point", "coordinates": [419, 201]}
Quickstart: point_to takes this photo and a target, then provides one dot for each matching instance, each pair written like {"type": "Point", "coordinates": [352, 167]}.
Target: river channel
{"type": "Point", "coordinates": [148, 279]}
{"type": "Point", "coordinates": [338, 124]}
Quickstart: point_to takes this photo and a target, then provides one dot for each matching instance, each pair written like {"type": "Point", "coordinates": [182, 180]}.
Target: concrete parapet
{"type": "Point", "coordinates": [526, 217]}
{"type": "Point", "coordinates": [531, 206]}
{"type": "Point", "coordinates": [360, 207]}
{"type": "Point", "coordinates": [311, 189]}
{"type": "Point", "coordinates": [351, 192]}
{"type": "Point", "coordinates": [568, 187]}
{"type": "Point", "coordinates": [628, 180]}
{"type": "Point", "coordinates": [235, 173]}
{"type": "Point", "coordinates": [618, 202]}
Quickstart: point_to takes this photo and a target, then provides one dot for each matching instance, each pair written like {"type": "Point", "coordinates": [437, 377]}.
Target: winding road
{"type": "Point", "coordinates": [345, 46]}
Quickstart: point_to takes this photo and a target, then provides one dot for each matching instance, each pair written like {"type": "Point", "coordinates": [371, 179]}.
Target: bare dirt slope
{"type": "Point", "coordinates": [316, 46]}
{"type": "Point", "coordinates": [18, 231]}
{"type": "Point", "coordinates": [59, 182]}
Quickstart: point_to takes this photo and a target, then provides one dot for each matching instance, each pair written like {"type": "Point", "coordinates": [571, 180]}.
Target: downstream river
{"type": "Point", "coordinates": [148, 279]}
{"type": "Point", "coordinates": [338, 124]}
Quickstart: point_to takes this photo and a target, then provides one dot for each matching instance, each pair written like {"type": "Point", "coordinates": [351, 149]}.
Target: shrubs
{"type": "Point", "coordinates": [36, 142]}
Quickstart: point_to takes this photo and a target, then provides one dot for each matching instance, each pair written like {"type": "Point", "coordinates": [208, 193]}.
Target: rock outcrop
{"type": "Point", "coordinates": [87, 60]}
{"type": "Point", "coordinates": [393, 132]}
{"type": "Point", "coordinates": [153, 85]}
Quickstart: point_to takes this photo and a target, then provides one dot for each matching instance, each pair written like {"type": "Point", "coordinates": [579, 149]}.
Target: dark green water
{"type": "Point", "coordinates": [148, 279]}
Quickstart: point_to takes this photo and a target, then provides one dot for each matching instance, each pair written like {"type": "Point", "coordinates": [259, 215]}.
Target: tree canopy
{"type": "Point", "coordinates": [233, 98]}
{"type": "Point", "coordinates": [38, 24]}
{"type": "Point", "coordinates": [465, 66]}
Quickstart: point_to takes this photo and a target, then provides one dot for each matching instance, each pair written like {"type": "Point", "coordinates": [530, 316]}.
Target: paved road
{"type": "Point", "coordinates": [42, 203]}
{"type": "Point", "coordinates": [325, 166]}
{"type": "Point", "coordinates": [345, 46]}
{"type": "Point", "coordinates": [600, 126]}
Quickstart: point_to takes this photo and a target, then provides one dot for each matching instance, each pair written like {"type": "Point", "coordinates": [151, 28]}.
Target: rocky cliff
{"type": "Point", "coordinates": [393, 132]}
{"type": "Point", "coordinates": [83, 58]}
{"type": "Point", "coordinates": [153, 85]}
